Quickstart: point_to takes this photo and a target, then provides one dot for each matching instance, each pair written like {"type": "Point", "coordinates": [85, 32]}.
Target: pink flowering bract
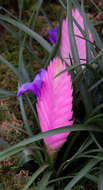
{"type": "Point", "coordinates": [54, 106]}
{"type": "Point", "coordinates": [65, 49]}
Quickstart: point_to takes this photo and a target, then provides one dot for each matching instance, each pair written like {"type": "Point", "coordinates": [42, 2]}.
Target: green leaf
{"type": "Point", "coordinates": [39, 4]}
{"type": "Point", "coordinates": [11, 67]}
{"type": "Point", "coordinates": [85, 145]}
{"type": "Point", "coordinates": [100, 181]}
{"type": "Point", "coordinates": [100, 158]}
{"type": "Point", "coordinates": [17, 36]}
{"type": "Point", "coordinates": [21, 146]}
{"type": "Point", "coordinates": [46, 17]}
{"type": "Point", "coordinates": [86, 97]}
{"type": "Point", "coordinates": [100, 10]}
{"type": "Point", "coordinates": [94, 118]}
{"type": "Point", "coordinates": [5, 93]}
{"type": "Point", "coordinates": [30, 32]}
{"type": "Point", "coordinates": [20, 5]}
{"type": "Point", "coordinates": [92, 178]}
{"type": "Point", "coordinates": [95, 140]}
{"type": "Point", "coordinates": [88, 45]}
{"type": "Point", "coordinates": [3, 143]}
{"type": "Point", "coordinates": [8, 12]}
{"type": "Point", "coordinates": [50, 188]}
{"type": "Point", "coordinates": [93, 151]}
{"type": "Point", "coordinates": [59, 179]}
{"type": "Point", "coordinates": [83, 87]}
{"type": "Point", "coordinates": [73, 45]}
{"type": "Point", "coordinates": [95, 85]}
{"type": "Point", "coordinates": [22, 67]}
{"type": "Point", "coordinates": [81, 174]}
{"type": "Point", "coordinates": [70, 146]}
{"type": "Point", "coordinates": [34, 176]}
{"type": "Point", "coordinates": [25, 157]}
{"type": "Point", "coordinates": [96, 109]}
{"type": "Point", "coordinates": [99, 55]}
{"type": "Point", "coordinates": [23, 113]}
{"type": "Point", "coordinates": [33, 109]}
{"type": "Point", "coordinates": [62, 4]}
{"type": "Point", "coordinates": [44, 181]}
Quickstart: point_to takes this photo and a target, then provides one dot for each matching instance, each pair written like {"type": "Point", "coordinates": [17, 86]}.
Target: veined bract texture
{"type": "Point", "coordinates": [54, 106]}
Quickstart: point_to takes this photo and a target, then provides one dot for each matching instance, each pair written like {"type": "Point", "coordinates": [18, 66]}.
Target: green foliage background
{"type": "Point", "coordinates": [23, 52]}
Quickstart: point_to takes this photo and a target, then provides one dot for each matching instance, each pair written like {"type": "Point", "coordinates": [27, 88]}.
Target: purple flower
{"type": "Point", "coordinates": [33, 86]}
{"type": "Point", "coordinates": [53, 33]}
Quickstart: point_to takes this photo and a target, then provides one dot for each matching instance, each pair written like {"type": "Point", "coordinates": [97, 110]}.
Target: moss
{"type": "Point", "coordinates": [2, 114]}
{"type": "Point", "coordinates": [10, 180]}
{"type": "Point", "coordinates": [53, 11]}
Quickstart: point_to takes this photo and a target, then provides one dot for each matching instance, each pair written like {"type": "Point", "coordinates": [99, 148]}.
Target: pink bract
{"type": "Point", "coordinates": [54, 106]}
{"type": "Point", "coordinates": [65, 48]}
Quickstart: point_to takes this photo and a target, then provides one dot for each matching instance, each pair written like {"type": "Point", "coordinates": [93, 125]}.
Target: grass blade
{"type": "Point", "coordinates": [5, 93]}
{"type": "Point", "coordinates": [29, 132]}
{"type": "Point", "coordinates": [71, 33]}
{"type": "Point", "coordinates": [88, 49]}
{"type": "Point", "coordinates": [28, 31]}
{"type": "Point", "coordinates": [2, 59]}
{"type": "Point", "coordinates": [46, 17]}
{"type": "Point", "coordinates": [100, 181]}
{"type": "Point", "coordinates": [34, 176]}
{"type": "Point", "coordinates": [3, 143]}
{"type": "Point", "coordinates": [33, 109]}
{"type": "Point", "coordinates": [95, 85]}
{"type": "Point", "coordinates": [86, 98]}
{"type": "Point", "coordinates": [44, 181]}
{"type": "Point", "coordinates": [17, 36]}
{"type": "Point", "coordinates": [92, 178]}
{"type": "Point", "coordinates": [82, 173]}
{"type": "Point", "coordinates": [20, 146]}
{"type": "Point", "coordinates": [96, 109]}
{"type": "Point", "coordinates": [39, 4]}
{"type": "Point", "coordinates": [62, 4]}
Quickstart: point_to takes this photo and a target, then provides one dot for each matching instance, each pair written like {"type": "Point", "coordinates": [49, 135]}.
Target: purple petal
{"type": "Point", "coordinates": [40, 75]}
{"type": "Point", "coordinates": [39, 78]}
{"type": "Point", "coordinates": [25, 87]}
{"type": "Point", "coordinates": [53, 33]}
{"type": "Point", "coordinates": [34, 86]}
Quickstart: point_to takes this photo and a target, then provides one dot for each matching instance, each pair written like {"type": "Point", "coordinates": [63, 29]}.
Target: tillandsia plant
{"type": "Point", "coordinates": [61, 130]}
{"type": "Point", "coordinates": [54, 101]}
